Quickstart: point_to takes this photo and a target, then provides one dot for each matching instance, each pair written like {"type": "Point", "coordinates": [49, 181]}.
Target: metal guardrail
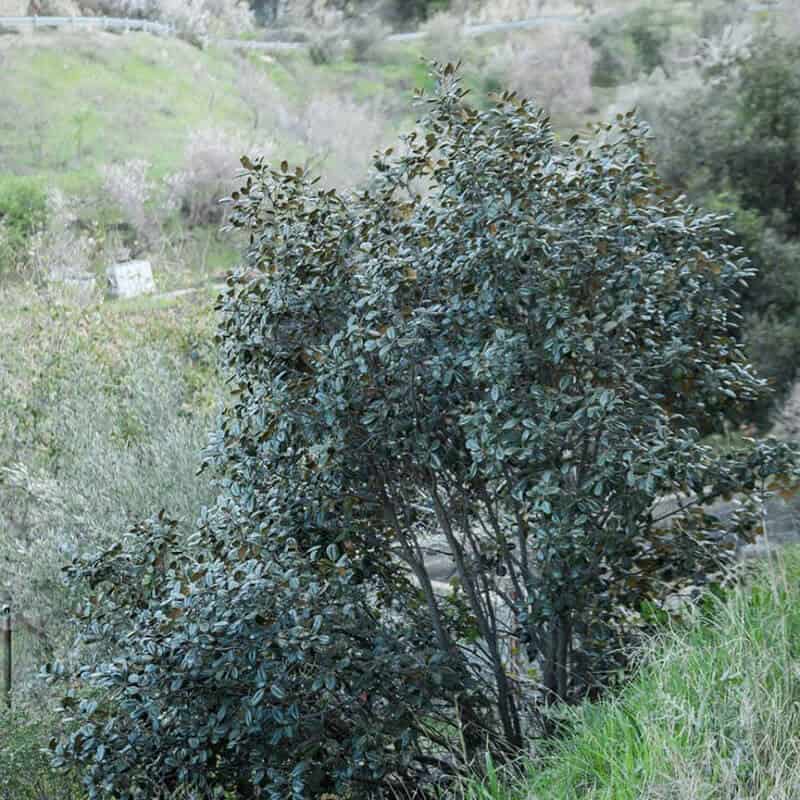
{"type": "Point", "coordinates": [251, 44]}
{"type": "Point", "coordinates": [468, 30]}
{"type": "Point", "coordinates": [87, 23]}
{"type": "Point", "coordinates": [162, 29]}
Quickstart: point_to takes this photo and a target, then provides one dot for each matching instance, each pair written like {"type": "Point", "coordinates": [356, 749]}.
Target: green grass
{"type": "Point", "coordinates": [73, 102]}
{"type": "Point", "coordinates": [713, 714]}
{"type": "Point", "coordinates": [25, 772]}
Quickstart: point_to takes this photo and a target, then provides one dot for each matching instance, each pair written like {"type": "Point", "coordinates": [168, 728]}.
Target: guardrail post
{"type": "Point", "coordinates": [5, 623]}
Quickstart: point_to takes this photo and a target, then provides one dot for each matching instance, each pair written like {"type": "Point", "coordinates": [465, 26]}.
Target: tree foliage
{"type": "Point", "coordinates": [240, 661]}
{"type": "Point", "coordinates": [728, 133]}
{"type": "Point", "coordinates": [501, 352]}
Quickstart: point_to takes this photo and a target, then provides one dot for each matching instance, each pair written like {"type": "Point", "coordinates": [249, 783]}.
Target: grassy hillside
{"type": "Point", "coordinates": [74, 101]}
{"type": "Point", "coordinates": [170, 121]}
{"type": "Point", "coordinates": [714, 712]}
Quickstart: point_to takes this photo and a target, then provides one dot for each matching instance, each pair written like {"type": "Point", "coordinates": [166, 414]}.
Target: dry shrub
{"type": "Point", "coordinates": [54, 250]}
{"type": "Point", "coordinates": [325, 47]}
{"type": "Point", "coordinates": [786, 420]}
{"type": "Point", "coordinates": [57, 8]}
{"type": "Point", "coordinates": [788, 14]}
{"type": "Point", "coordinates": [129, 188]}
{"type": "Point", "coordinates": [60, 255]}
{"type": "Point", "coordinates": [199, 18]}
{"type": "Point", "coordinates": [316, 12]}
{"type": "Point", "coordinates": [553, 67]}
{"type": "Point", "coordinates": [339, 133]}
{"type": "Point", "coordinates": [365, 37]}
{"type": "Point", "coordinates": [263, 99]}
{"type": "Point", "coordinates": [132, 9]}
{"type": "Point", "coordinates": [485, 11]}
{"type": "Point", "coordinates": [719, 56]}
{"type": "Point", "coordinates": [504, 10]}
{"type": "Point", "coordinates": [211, 164]}
{"type": "Point", "coordinates": [444, 37]}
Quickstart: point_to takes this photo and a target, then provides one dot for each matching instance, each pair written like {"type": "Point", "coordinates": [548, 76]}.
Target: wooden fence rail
{"type": "Point", "coordinates": [5, 623]}
{"type": "Point", "coordinates": [10, 622]}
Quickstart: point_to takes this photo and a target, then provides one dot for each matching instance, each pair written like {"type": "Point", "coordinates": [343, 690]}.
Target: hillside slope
{"type": "Point", "coordinates": [73, 101]}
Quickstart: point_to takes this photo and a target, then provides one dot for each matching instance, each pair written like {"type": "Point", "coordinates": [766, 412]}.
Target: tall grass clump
{"type": "Point", "coordinates": [25, 770]}
{"type": "Point", "coordinates": [714, 711]}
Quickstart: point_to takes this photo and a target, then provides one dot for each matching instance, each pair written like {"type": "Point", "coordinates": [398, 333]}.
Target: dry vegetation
{"type": "Point", "coordinates": [554, 68]}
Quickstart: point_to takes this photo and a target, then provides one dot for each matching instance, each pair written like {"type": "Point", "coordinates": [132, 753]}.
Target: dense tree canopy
{"type": "Point", "coordinates": [501, 352]}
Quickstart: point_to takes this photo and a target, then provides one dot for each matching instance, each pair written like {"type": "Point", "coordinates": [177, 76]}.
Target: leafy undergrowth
{"type": "Point", "coordinates": [714, 713]}
{"type": "Point", "coordinates": [104, 412]}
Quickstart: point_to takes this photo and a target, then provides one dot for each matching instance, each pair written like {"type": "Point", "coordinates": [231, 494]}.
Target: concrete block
{"type": "Point", "coordinates": [130, 279]}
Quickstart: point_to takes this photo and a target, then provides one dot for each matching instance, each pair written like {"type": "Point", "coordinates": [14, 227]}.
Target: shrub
{"type": "Point", "coordinates": [365, 36]}
{"type": "Point", "coordinates": [634, 43]}
{"type": "Point", "coordinates": [132, 192]}
{"type": "Point", "coordinates": [649, 28]}
{"type": "Point", "coordinates": [405, 12]}
{"type": "Point", "coordinates": [57, 8]}
{"type": "Point", "coordinates": [91, 436]}
{"type": "Point", "coordinates": [501, 10]}
{"type": "Point", "coordinates": [134, 9]}
{"type": "Point", "coordinates": [211, 161]}
{"type": "Point", "coordinates": [510, 368]}
{"type": "Point", "coordinates": [338, 131]}
{"type": "Point", "coordinates": [334, 12]}
{"type": "Point", "coordinates": [444, 36]}
{"type": "Point", "coordinates": [192, 19]}
{"type": "Point", "coordinates": [717, 15]}
{"type": "Point", "coordinates": [23, 212]}
{"type": "Point", "coordinates": [42, 239]}
{"type": "Point", "coordinates": [555, 68]}
{"type": "Point", "coordinates": [267, 107]}
{"type": "Point", "coordinates": [325, 48]}
{"type": "Point", "coordinates": [727, 131]}
{"type": "Point", "coordinates": [609, 67]}
{"type": "Point", "coordinates": [278, 674]}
